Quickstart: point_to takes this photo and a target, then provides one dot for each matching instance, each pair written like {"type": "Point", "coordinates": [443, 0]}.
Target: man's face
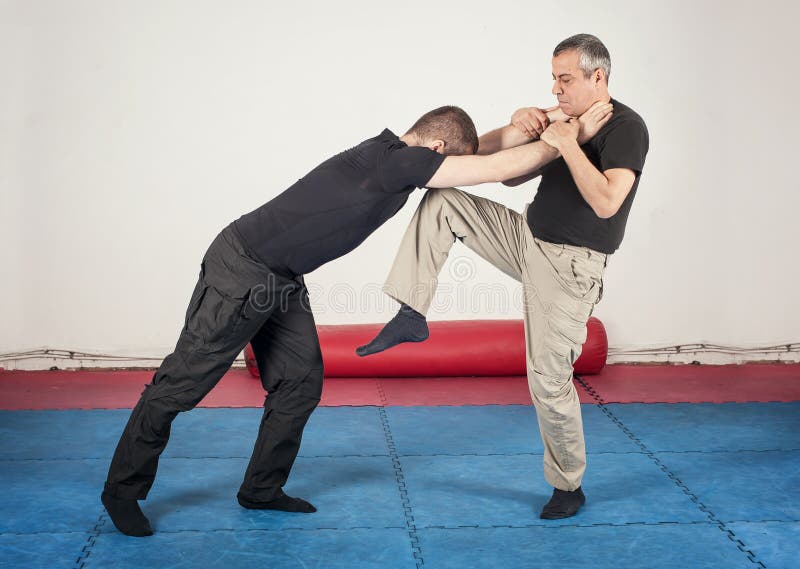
{"type": "Point", "coordinates": [575, 93]}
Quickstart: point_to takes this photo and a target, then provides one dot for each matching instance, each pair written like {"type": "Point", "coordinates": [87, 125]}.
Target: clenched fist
{"type": "Point", "coordinates": [561, 132]}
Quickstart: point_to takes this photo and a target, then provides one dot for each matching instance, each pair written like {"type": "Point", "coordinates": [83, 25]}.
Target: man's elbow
{"type": "Point", "coordinates": [613, 195]}
{"type": "Point", "coordinates": [519, 180]}
{"type": "Point", "coordinates": [606, 210]}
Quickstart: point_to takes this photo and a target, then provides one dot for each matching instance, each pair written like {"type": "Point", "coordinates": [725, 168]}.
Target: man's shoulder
{"type": "Point", "coordinates": [386, 139]}
{"type": "Point", "coordinates": [625, 124]}
{"type": "Point", "coordinates": [624, 141]}
{"type": "Point", "coordinates": [366, 154]}
{"type": "Point", "coordinates": [624, 114]}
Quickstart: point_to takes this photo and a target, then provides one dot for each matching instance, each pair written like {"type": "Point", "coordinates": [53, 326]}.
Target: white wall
{"type": "Point", "coordinates": [132, 132]}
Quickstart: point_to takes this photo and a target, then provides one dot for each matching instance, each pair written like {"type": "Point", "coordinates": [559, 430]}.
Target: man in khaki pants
{"type": "Point", "coordinates": [558, 248]}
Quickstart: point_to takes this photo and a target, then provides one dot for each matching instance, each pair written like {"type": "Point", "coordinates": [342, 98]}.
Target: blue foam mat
{"type": "Point", "coordinates": [41, 551]}
{"type": "Point", "coordinates": [662, 546]}
{"type": "Point", "coordinates": [742, 486]}
{"type": "Point", "coordinates": [331, 431]}
{"type": "Point", "coordinates": [200, 494]}
{"type": "Point", "coordinates": [488, 474]}
{"type": "Point", "coordinates": [777, 543]}
{"type": "Point", "coordinates": [711, 427]}
{"type": "Point", "coordinates": [494, 429]}
{"type": "Point", "coordinates": [509, 490]}
{"type": "Point", "coordinates": [319, 549]}
{"type": "Point", "coordinates": [335, 431]}
{"type": "Point", "coordinates": [51, 495]}
{"type": "Point", "coordinates": [60, 434]}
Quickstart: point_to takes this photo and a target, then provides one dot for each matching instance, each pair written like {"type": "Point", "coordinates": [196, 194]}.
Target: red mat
{"type": "Point", "coordinates": [120, 389]}
{"type": "Point", "coordinates": [696, 383]}
{"type": "Point", "coordinates": [462, 391]}
{"type": "Point", "coordinates": [615, 384]}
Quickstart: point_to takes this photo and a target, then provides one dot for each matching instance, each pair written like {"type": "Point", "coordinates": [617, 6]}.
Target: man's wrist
{"type": "Point", "coordinates": [556, 143]}
{"type": "Point", "coordinates": [519, 132]}
{"type": "Point", "coordinates": [568, 145]}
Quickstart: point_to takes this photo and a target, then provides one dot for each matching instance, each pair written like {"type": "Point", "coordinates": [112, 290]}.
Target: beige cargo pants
{"type": "Point", "coordinates": [561, 285]}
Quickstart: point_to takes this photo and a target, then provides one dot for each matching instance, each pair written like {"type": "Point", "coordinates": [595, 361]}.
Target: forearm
{"type": "Point", "coordinates": [521, 161]}
{"type": "Point", "coordinates": [504, 165]}
{"type": "Point", "coordinates": [592, 183]}
{"type": "Point", "coordinates": [509, 136]}
{"type": "Point", "coordinates": [501, 138]}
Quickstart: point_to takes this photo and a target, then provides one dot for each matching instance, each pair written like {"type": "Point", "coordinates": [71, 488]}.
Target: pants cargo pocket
{"type": "Point", "coordinates": [579, 276]}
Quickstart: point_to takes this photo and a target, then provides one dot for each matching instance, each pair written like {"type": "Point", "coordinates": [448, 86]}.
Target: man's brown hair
{"type": "Point", "coordinates": [450, 124]}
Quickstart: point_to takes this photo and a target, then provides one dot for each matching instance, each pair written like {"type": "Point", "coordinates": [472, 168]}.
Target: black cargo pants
{"type": "Point", "coordinates": [237, 300]}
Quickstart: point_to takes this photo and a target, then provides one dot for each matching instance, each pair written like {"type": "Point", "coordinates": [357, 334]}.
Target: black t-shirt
{"type": "Point", "coordinates": [337, 205]}
{"type": "Point", "coordinates": [559, 214]}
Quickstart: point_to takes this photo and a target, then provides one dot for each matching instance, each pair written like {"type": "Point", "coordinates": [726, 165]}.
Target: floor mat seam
{"type": "Point", "coordinates": [86, 550]}
{"type": "Point", "coordinates": [408, 513]}
{"type": "Point", "coordinates": [751, 556]}
{"type": "Point", "coordinates": [698, 402]}
{"type": "Point", "coordinates": [573, 525]}
{"type": "Point", "coordinates": [411, 455]}
{"type": "Point", "coordinates": [425, 527]}
{"type": "Point", "coordinates": [275, 530]}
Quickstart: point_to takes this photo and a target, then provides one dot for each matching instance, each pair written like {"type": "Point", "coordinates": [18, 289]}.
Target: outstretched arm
{"type": "Point", "coordinates": [501, 138]}
{"type": "Point", "coordinates": [526, 125]}
{"type": "Point", "coordinates": [513, 165]}
{"type": "Point", "coordinates": [503, 165]}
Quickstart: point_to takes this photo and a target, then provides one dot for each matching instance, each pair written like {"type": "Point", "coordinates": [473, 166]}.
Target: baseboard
{"type": "Point", "coordinates": [707, 354]}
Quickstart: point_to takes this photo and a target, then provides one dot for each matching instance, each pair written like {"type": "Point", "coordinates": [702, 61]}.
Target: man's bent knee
{"type": "Point", "coordinates": [436, 196]}
{"type": "Point", "coordinates": [301, 393]}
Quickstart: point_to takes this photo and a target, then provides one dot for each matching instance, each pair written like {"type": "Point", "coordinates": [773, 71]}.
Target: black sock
{"type": "Point", "coordinates": [408, 325]}
{"type": "Point", "coordinates": [127, 516]}
{"type": "Point", "coordinates": [283, 503]}
{"type": "Point", "coordinates": [563, 504]}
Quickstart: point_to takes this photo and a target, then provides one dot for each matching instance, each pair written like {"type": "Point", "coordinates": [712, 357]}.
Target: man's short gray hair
{"type": "Point", "coordinates": [593, 54]}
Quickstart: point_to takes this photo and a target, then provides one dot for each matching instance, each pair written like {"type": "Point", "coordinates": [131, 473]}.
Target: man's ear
{"type": "Point", "coordinates": [437, 146]}
{"type": "Point", "coordinates": [598, 76]}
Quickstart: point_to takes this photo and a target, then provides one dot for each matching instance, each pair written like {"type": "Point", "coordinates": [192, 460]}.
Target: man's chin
{"type": "Point", "coordinates": [568, 110]}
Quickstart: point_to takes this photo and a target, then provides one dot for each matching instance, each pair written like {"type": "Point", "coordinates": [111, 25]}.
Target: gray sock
{"type": "Point", "coordinates": [408, 325]}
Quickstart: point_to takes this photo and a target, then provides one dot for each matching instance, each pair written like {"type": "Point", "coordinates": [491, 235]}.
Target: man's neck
{"type": "Point", "coordinates": [606, 98]}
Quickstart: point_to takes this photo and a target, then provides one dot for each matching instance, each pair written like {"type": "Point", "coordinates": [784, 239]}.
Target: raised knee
{"type": "Point", "coordinates": [437, 196]}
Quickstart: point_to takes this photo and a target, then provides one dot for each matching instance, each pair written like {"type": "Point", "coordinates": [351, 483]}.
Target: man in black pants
{"type": "Point", "coordinates": [251, 289]}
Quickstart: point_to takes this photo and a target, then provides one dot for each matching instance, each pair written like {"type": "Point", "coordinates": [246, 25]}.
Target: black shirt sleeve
{"type": "Point", "coordinates": [409, 166]}
{"type": "Point", "coordinates": [625, 147]}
